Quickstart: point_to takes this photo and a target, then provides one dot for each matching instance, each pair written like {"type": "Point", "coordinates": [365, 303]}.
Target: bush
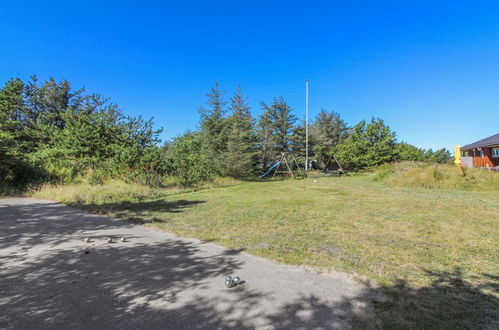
{"type": "Point", "coordinates": [96, 178]}
{"type": "Point", "coordinates": [367, 146]}
{"type": "Point", "coordinates": [186, 161]}
{"type": "Point", "coordinates": [149, 179]}
{"type": "Point", "coordinates": [383, 171]}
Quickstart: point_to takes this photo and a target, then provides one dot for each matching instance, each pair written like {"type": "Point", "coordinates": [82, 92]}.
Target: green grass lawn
{"type": "Point", "coordinates": [433, 252]}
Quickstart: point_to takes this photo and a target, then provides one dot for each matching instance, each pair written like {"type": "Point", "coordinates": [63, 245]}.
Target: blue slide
{"type": "Point", "coordinates": [270, 169]}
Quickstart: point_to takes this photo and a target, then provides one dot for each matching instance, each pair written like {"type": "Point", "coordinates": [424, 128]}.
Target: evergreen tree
{"type": "Point", "coordinates": [367, 146]}
{"type": "Point", "coordinates": [11, 144]}
{"type": "Point", "coordinates": [11, 113]}
{"type": "Point", "coordinates": [214, 129]}
{"type": "Point", "coordinates": [265, 141]}
{"type": "Point", "coordinates": [327, 131]}
{"type": "Point", "coordinates": [438, 156]}
{"type": "Point", "coordinates": [67, 133]}
{"type": "Point", "coordinates": [241, 155]}
{"type": "Point", "coordinates": [276, 127]}
{"type": "Point", "coordinates": [185, 159]}
{"type": "Point", "coordinates": [408, 152]}
{"type": "Point", "coordinates": [298, 141]}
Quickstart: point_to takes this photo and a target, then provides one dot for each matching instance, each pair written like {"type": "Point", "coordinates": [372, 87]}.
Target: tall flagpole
{"type": "Point", "coordinates": [306, 126]}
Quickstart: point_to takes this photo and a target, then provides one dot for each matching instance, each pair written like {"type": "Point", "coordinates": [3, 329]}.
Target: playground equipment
{"type": "Point", "coordinates": [338, 170]}
{"type": "Point", "coordinates": [283, 162]}
{"type": "Point", "coordinates": [270, 169]}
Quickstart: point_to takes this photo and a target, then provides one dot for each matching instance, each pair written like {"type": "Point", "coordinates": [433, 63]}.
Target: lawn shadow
{"type": "Point", "coordinates": [138, 212]}
{"type": "Point", "coordinates": [449, 302]}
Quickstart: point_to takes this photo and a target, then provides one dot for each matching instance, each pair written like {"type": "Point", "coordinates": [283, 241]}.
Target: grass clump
{"type": "Point", "coordinates": [442, 176]}
{"type": "Point", "coordinates": [111, 191]}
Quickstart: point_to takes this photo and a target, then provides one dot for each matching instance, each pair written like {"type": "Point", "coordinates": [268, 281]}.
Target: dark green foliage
{"type": "Point", "coordinates": [186, 161]}
{"type": "Point", "coordinates": [265, 141]}
{"type": "Point", "coordinates": [327, 131]}
{"type": "Point", "coordinates": [68, 134]}
{"type": "Point", "coordinates": [241, 155]}
{"type": "Point", "coordinates": [51, 132]}
{"type": "Point", "coordinates": [11, 109]}
{"type": "Point", "coordinates": [93, 134]}
{"type": "Point", "coordinates": [407, 152]}
{"type": "Point", "coordinates": [15, 168]}
{"type": "Point", "coordinates": [438, 156]}
{"type": "Point", "coordinates": [367, 146]}
{"type": "Point", "coordinates": [298, 142]}
{"type": "Point", "coordinates": [214, 129]}
{"type": "Point", "coordinates": [276, 130]}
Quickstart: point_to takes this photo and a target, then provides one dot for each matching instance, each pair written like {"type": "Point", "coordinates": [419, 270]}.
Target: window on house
{"type": "Point", "coordinates": [495, 152]}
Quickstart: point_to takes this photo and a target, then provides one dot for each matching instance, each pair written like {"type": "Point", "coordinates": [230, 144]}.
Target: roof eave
{"type": "Point", "coordinates": [469, 147]}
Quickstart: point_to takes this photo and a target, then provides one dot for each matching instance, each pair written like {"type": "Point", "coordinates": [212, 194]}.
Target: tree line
{"type": "Point", "coordinates": [50, 132]}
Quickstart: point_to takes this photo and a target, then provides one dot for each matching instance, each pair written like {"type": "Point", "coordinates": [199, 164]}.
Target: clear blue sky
{"type": "Point", "coordinates": [430, 69]}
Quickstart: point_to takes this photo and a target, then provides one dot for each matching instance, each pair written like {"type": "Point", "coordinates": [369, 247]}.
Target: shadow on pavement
{"type": "Point", "coordinates": [48, 223]}
{"type": "Point", "coordinates": [31, 224]}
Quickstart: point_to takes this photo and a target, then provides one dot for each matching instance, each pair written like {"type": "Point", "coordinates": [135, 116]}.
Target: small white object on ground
{"type": "Point", "coordinates": [123, 239]}
{"type": "Point", "coordinates": [87, 240]}
{"type": "Point", "coordinates": [109, 240]}
{"type": "Point", "coordinates": [237, 280]}
{"type": "Point", "coordinates": [315, 181]}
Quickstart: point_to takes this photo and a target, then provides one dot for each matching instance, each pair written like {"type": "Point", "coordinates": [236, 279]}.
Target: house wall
{"type": "Point", "coordinates": [467, 161]}
{"type": "Point", "coordinates": [493, 160]}
{"type": "Point", "coordinates": [483, 161]}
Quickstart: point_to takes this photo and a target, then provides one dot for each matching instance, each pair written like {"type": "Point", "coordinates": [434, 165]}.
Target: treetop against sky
{"type": "Point", "coordinates": [427, 68]}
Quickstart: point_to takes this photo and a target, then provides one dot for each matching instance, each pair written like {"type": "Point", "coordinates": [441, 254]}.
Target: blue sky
{"type": "Point", "coordinates": [430, 69]}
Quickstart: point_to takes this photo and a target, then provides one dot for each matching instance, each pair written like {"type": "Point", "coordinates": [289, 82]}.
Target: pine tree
{"type": "Point", "coordinates": [214, 129]}
{"type": "Point", "coordinates": [298, 141]}
{"type": "Point", "coordinates": [327, 131]}
{"type": "Point", "coordinates": [240, 160]}
{"type": "Point", "coordinates": [367, 146]}
{"type": "Point", "coordinates": [276, 127]}
{"type": "Point", "coordinates": [264, 137]}
{"type": "Point", "coordinates": [11, 112]}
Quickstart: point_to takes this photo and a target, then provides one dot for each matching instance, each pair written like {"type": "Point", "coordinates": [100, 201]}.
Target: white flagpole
{"type": "Point", "coordinates": [306, 126]}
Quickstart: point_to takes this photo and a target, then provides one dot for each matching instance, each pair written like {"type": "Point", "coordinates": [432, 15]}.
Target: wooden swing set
{"type": "Point", "coordinates": [286, 163]}
{"type": "Point", "coordinates": [283, 162]}
{"type": "Point", "coordinates": [339, 171]}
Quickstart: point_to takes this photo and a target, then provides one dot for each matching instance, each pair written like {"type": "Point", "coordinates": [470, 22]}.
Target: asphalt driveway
{"type": "Point", "coordinates": [51, 279]}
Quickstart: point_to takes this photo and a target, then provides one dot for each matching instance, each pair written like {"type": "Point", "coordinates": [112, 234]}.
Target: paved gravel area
{"type": "Point", "coordinates": [50, 278]}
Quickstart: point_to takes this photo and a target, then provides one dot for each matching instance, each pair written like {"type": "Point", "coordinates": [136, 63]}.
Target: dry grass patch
{"type": "Point", "coordinates": [442, 176]}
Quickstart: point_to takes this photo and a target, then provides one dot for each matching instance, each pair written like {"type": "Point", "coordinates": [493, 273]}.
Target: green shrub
{"type": "Point", "coordinates": [383, 172]}
{"type": "Point", "coordinates": [187, 162]}
{"type": "Point", "coordinates": [149, 179]}
{"type": "Point", "coordinates": [96, 178]}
